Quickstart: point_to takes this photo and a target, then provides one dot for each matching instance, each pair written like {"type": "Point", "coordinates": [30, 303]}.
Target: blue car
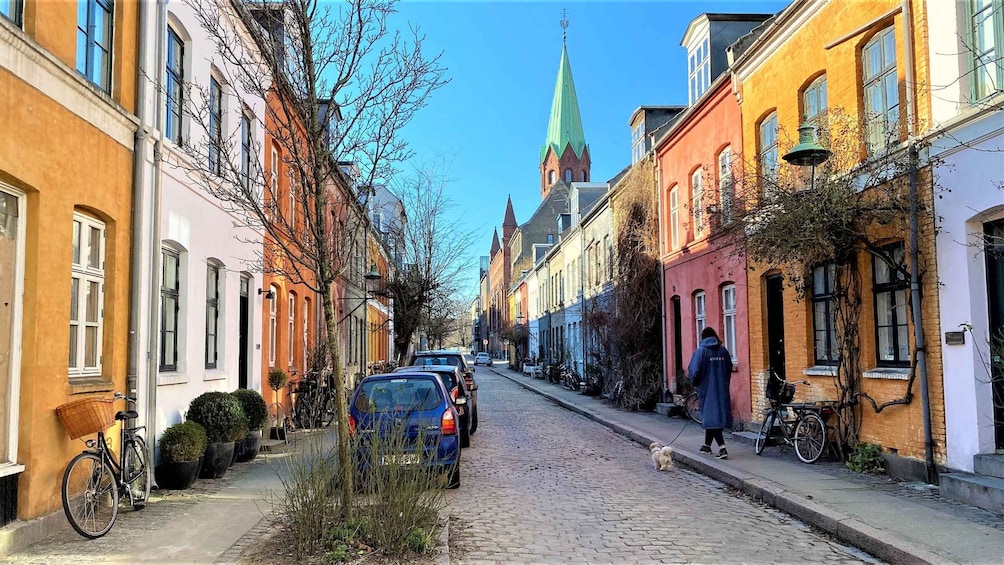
{"type": "Point", "coordinates": [417, 404]}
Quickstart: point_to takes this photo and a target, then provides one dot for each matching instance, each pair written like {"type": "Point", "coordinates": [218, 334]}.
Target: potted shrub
{"type": "Point", "coordinates": [277, 379]}
{"type": "Point", "coordinates": [257, 415]}
{"type": "Point", "coordinates": [181, 449]}
{"type": "Point", "coordinates": [223, 418]}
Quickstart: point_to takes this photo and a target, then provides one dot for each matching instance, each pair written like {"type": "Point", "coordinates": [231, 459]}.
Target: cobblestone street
{"type": "Point", "coordinates": [545, 485]}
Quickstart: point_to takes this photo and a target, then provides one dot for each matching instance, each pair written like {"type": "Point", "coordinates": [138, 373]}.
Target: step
{"type": "Point", "coordinates": [666, 408]}
{"type": "Point", "coordinates": [989, 464]}
{"type": "Point", "coordinates": [748, 438]}
{"type": "Point", "coordinates": [977, 490]}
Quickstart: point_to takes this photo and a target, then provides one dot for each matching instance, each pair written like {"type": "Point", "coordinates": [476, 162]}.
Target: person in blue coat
{"type": "Point", "coordinates": [711, 371]}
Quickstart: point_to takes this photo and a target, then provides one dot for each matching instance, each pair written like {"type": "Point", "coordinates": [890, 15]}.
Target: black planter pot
{"type": "Point", "coordinates": [177, 475]}
{"type": "Point", "coordinates": [217, 460]}
{"type": "Point", "coordinates": [247, 448]}
{"type": "Point", "coordinates": [277, 433]}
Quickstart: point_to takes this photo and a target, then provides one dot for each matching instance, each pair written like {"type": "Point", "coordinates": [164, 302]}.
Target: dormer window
{"type": "Point", "coordinates": [568, 175]}
{"type": "Point", "coordinates": [638, 142]}
{"type": "Point", "coordinates": [699, 69]}
{"type": "Point", "coordinates": [550, 177]}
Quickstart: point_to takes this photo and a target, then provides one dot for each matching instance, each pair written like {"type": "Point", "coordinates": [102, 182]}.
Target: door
{"type": "Point", "coordinates": [678, 367]}
{"type": "Point", "coordinates": [995, 298]}
{"type": "Point", "coordinates": [244, 325]}
{"type": "Point", "coordinates": [775, 323]}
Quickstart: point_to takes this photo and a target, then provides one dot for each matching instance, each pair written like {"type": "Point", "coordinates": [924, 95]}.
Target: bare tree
{"type": "Point", "coordinates": [339, 86]}
{"type": "Point", "coordinates": [436, 253]}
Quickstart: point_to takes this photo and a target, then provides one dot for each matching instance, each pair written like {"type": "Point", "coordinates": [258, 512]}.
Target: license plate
{"type": "Point", "coordinates": [405, 459]}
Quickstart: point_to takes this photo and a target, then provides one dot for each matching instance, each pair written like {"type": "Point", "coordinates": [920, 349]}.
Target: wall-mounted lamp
{"type": "Point", "coordinates": [269, 295]}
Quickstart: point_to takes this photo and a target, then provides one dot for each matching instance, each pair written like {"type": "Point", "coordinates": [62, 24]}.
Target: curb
{"type": "Point", "coordinates": [443, 544]}
{"type": "Point", "coordinates": [885, 546]}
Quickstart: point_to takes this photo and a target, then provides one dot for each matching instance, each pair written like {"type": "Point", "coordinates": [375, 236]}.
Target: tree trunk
{"type": "Point", "coordinates": [341, 403]}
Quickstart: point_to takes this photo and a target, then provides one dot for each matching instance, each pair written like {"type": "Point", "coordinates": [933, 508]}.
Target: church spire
{"type": "Point", "coordinates": [564, 155]}
{"type": "Point", "coordinates": [495, 244]}
{"type": "Point", "coordinates": [509, 224]}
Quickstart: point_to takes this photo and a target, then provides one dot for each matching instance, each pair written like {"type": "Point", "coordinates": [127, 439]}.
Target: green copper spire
{"type": "Point", "coordinates": [565, 127]}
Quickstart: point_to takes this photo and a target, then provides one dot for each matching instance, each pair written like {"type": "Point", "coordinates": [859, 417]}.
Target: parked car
{"type": "Point", "coordinates": [482, 359]}
{"type": "Point", "coordinates": [456, 387]}
{"type": "Point", "coordinates": [457, 359]}
{"type": "Point", "coordinates": [416, 402]}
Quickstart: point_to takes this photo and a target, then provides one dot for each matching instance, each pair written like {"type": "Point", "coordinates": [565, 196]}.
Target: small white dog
{"type": "Point", "coordinates": [661, 456]}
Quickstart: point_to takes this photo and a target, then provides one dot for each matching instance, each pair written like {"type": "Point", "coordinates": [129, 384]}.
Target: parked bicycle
{"type": "Point", "coordinates": [314, 404]}
{"type": "Point", "coordinates": [806, 430]}
{"type": "Point", "coordinates": [96, 480]}
{"type": "Point", "coordinates": [693, 407]}
{"type": "Point", "coordinates": [570, 380]}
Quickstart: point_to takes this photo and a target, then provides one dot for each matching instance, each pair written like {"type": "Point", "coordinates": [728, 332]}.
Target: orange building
{"type": "Point", "coordinates": [66, 195]}
{"type": "Point", "coordinates": [867, 61]}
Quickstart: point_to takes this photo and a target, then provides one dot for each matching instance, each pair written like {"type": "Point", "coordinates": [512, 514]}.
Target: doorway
{"type": "Point", "coordinates": [245, 315]}
{"type": "Point", "coordinates": [994, 252]}
{"type": "Point", "coordinates": [677, 341]}
{"type": "Point", "coordinates": [775, 323]}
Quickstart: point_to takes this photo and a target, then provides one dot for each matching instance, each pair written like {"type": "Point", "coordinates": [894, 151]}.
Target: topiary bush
{"type": "Point", "coordinates": [277, 379]}
{"type": "Point", "coordinates": [184, 441]}
{"type": "Point", "coordinates": [221, 414]}
{"type": "Point", "coordinates": [254, 407]}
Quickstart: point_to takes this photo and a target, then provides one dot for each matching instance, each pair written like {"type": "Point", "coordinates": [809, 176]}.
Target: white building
{"type": "Point", "coordinates": [968, 151]}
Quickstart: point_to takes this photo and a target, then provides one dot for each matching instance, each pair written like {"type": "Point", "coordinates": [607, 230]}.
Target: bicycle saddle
{"type": "Point", "coordinates": [126, 415]}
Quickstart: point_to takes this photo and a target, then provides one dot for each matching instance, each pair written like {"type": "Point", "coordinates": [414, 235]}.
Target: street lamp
{"type": "Point", "coordinates": [372, 277]}
{"type": "Point", "coordinates": [808, 152]}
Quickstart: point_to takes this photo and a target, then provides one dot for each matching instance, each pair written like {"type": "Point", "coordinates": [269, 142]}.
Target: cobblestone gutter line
{"type": "Point", "coordinates": [257, 532]}
{"type": "Point", "coordinates": [883, 545]}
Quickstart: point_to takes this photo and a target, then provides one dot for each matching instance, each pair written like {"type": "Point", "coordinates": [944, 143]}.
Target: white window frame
{"type": "Point", "coordinates": [674, 218]}
{"type": "Point", "coordinates": [985, 47]}
{"type": "Point", "coordinates": [726, 186]}
{"type": "Point", "coordinates": [86, 273]}
{"type": "Point", "coordinates": [814, 104]}
{"type": "Point", "coordinates": [11, 411]}
{"type": "Point", "coordinates": [217, 102]}
{"type": "Point", "coordinates": [729, 319]}
{"type": "Point", "coordinates": [881, 111]}
{"type": "Point", "coordinates": [247, 137]}
{"type": "Point", "coordinates": [291, 326]}
{"type": "Point", "coordinates": [213, 305]}
{"type": "Point", "coordinates": [274, 181]}
{"type": "Point", "coordinates": [699, 70]}
{"type": "Point", "coordinates": [696, 204]}
{"type": "Point", "coordinates": [176, 366]}
{"type": "Point", "coordinates": [637, 143]}
{"type": "Point", "coordinates": [174, 95]}
{"type": "Point", "coordinates": [700, 313]}
{"type": "Point", "coordinates": [271, 324]}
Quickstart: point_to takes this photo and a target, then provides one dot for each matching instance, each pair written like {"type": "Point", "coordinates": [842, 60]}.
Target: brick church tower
{"type": "Point", "coordinates": [564, 155]}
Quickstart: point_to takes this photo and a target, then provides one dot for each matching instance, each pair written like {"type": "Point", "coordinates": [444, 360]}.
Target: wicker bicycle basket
{"type": "Point", "coordinates": [86, 416]}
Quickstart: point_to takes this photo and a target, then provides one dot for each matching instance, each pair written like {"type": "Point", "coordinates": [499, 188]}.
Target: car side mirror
{"type": "Point", "coordinates": [460, 401]}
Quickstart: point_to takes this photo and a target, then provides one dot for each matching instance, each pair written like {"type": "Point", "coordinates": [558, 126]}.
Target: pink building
{"type": "Point", "coordinates": [704, 282]}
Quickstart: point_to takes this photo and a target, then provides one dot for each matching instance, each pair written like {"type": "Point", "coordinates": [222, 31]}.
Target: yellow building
{"type": "Point", "coordinates": [68, 82]}
{"type": "Point", "coordinates": [866, 63]}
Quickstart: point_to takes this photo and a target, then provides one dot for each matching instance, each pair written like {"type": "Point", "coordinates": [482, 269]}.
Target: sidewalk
{"type": "Point", "coordinates": [897, 522]}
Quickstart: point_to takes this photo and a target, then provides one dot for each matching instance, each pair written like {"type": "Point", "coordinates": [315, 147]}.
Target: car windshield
{"type": "Point", "coordinates": [397, 395]}
{"type": "Point", "coordinates": [442, 360]}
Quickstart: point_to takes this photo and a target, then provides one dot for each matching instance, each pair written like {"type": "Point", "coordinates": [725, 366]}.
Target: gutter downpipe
{"type": "Point", "coordinates": [152, 330]}
{"type": "Point", "coordinates": [667, 386]}
{"type": "Point", "coordinates": [931, 470]}
{"type": "Point", "coordinates": [136, 247]}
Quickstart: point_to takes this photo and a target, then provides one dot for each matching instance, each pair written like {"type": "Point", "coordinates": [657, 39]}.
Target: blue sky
{"type": "Point", "coordinates": [490, 121]}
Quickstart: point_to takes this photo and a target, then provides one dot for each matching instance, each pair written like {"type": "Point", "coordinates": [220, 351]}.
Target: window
{"type": "Point", "coordinates": [94, 41]}
{"type": "Point", "coordinates": [608, 244]}
{"type": "Point", "coordinates": [824, 314]}
{"type": "Point", "coordinates": [305, 314]}
{"type": "Point", "coordinates": [87, 288]}
{"type": "Point", "coordinates": [246, 149]}
{"type": "Point", "coordinates": [696, 203]}
{"type": "Point", "coordinates": [215, 125]}
{"type": "Point", "coordinates": [271, 324]}
{"type": "Point", "coordinates": [637, 143]}
{"type": "Point", "coordinates": [292, 324]}
{"type": "Point", "coordinates": [674, 219]}
{"type": "Point", "coordinates": [700, 313]}
{"type": "Point", "coordinates": [568, 175]}
{"type": "Point", "coordinates": [11, 9]}
{"type": "Point", "coordinates": [378, 221]}
{"type": "Point", "coordinates": [768, 154]}
{"type": "Point", "coordinates": [292, 199]}
{"type": "Point", "coordinates": [170, 290]}
{"type": "Point", "coordinates": [550, 177]}
{"type": "Point", "coordinates": [274, 174]}
{"type": "Point", "coordinates": [726, 186]}
{"type": "Point", "coordinates": [583, 176]}
{"type": "Point", "coordinates": [212, 315]}
{"type": "Point", "coordinates": [881, 89]}
{"type": "Point", "coordinates": [175, 80]}
{"type": "Point", "coordinates": [729, 318]}
{"type": "Point", "coordinates": [814, 101]}
{"type": "Point", "coordinates": [891, 337]}
{"type": "Point", "coordinates": [986, 28]}
{"type": "Point", "coordinates": [699, 69]}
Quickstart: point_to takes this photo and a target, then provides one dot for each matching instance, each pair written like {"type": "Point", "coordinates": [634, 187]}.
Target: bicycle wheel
{"type": "Point", "coordinates": [693, 405]}
{"type": "Point", "coordinates": [764, 435]}
{"type": "Point", "coordinates": [810, 437]}
{"type": "Point", "coordinates": [137, 471]}
{"type": "Point", "coordinates": [328, 411]}
{"type": "Point", "coordinates": [90, 495]}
